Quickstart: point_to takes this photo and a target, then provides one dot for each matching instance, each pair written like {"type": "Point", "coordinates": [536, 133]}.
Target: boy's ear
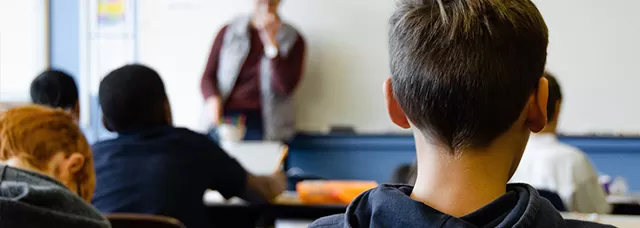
{"type": "Point", "coordinates": [167, 111]}
{"type": "Point", "coordinates": [74, 163]}
{"type": "Point", "coordinates": [396, 113]}
{"type": "Point", "coordinates": [76, 110]}
{"type": "Point", "coordinates": [106, 125]}
{"type": "Point", "coordinates": [537, 110]}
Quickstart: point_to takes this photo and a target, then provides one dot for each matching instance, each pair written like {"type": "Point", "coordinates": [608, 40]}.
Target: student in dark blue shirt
{"type": "Point", "coordinates": [466, 77]}
{"type": "Point", "coordinates": [155, 168]}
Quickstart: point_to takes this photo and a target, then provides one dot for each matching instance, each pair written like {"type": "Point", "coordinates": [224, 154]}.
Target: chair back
{"type": "Point", "coordinates": [142, 221]}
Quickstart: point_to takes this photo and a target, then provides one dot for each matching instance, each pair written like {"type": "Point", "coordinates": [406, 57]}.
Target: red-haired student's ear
{"type": "Point", "coordinates": [537, 112]}
{"type": "Point", "coordinates": [395, 111]}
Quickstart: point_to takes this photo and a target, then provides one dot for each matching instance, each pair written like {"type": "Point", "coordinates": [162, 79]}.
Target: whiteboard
{"type": "Point", "coordinates": [346, 55]}
{"type": "Point", "coordinates": [23, 47]}
{"type": "Point", "coordinates": [593, 50]}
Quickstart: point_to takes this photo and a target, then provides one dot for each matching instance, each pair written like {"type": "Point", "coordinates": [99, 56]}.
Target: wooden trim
{"type": "Point", "coordinates": [152, 219]}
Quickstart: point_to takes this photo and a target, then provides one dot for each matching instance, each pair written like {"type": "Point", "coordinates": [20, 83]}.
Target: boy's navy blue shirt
{"type": "Point", "coordinates": [163, 171]}
{"type": "Point", "coordinates": [391, 206]}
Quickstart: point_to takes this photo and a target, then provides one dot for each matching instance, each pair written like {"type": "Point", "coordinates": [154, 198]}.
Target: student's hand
{"type": "Point", "coordinates": [274, 185]}
{"type": "Point", "coordinates": [267, 187]}
{"type": "Point", "coordinates": [217, 111]}
{"type": "Point", "coordinates": [268, 25]}
{"type": "Point", "coordinates": [278, 183]}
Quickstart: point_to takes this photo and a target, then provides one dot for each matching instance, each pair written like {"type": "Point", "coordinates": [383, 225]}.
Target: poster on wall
{"type": "Point", "coordinates": [107, 41]}
{"type": "Point", "coordinates": [110, 38]}
{"type": "Point", "coordinates": [111, 12]}
{"type": "Point", "coordinates": [111, 18]}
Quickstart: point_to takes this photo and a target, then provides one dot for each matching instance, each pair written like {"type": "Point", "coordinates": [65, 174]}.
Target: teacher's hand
{"type": "Point", "coordinates": [268, 25]}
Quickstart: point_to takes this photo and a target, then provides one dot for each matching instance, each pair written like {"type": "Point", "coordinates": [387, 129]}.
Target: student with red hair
{"type": "Point", "coordinates": [46, 170]}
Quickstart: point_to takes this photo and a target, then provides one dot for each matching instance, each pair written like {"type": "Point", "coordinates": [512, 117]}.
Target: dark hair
{"type": "Point", "coordinates": [132, 97]}
{"type": "Point", "coordinates": [555, 95]}
{"type": "Point", "coordinates": [55, 89]}
{"type": "Point", "coordinates": [462, 70]}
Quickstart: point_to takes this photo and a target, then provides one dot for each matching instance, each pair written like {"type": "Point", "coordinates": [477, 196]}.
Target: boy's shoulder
{"type": "Point", "coordinates": [172, 136]}
{"type": "Point", "coordinates": [333, 221]}
{"type": "Point", "coordinates": [338, 221]}
{"type": "Point", "coordinates": [190, 134]}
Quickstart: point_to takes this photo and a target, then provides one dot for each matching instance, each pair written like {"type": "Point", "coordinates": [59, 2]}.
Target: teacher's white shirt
{"type": "Point", "coordinates": [552, 165]}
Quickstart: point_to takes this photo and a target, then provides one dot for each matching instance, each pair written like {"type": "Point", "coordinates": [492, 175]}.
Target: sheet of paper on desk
{"type": "Point", "coordinates": [212, 197]}
{"type": "Point", "coordinates": [290, 223]}
{"type": "Point", "coordinates": [259, 158]}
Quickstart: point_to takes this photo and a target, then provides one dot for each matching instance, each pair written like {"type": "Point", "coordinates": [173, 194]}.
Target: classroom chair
{"type": "Point", "coordinates": [123, 220]}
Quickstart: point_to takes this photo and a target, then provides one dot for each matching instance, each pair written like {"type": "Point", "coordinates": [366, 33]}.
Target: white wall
{"type": "Point", "coordinates": [22, 47]}
{"type": "Point", "coordinates": [594, 49]}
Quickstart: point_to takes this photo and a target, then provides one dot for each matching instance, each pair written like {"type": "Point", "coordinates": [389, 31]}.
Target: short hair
{"type": "Point", "coordinates": [555, 95]}
{"type": "Point", "coordinates": [35, 134]}
{"type": "Point", "coordinates": [462, 70]}
{"type": "Point", "coordinates": [55, 89]}
{"type": "Point", "coordinates": [132, 97]}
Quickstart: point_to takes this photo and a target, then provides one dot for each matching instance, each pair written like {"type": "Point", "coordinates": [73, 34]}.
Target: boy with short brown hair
{"type": "Point", "coordinates": [466, 77]}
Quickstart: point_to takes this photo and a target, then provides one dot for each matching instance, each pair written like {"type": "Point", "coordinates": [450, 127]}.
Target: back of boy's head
{"type": "Point", "coordinates": [463, 70]}
{"type": "Point", "coordinates": [133, 97]}
{"type": "Point", "coordinates": [555, 96]}
{"type": "Point", "coordinates": [55, 89]}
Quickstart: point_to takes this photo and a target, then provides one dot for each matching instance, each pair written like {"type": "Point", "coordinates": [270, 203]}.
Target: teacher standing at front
{"type": "Point", "coordinates": [255, 65]}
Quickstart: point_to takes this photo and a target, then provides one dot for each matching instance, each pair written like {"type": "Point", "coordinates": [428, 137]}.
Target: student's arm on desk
{"type": "Point", "coordinates": [262, 189]}
{"type": "Point", "coordinates": [589, 196]}
{"type": "Point", "coordinates": [231, 179]}
{"type": "Point", "coordinates": [227, 175]}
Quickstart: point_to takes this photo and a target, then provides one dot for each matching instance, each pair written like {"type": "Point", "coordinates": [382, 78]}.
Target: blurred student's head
{"type": "Point", "coordinates": [267, 6]}
{"type": "Point", "coordinates": [404, 174]}
{"type": "Point", "coordinates": [401, 174]}
{"type": "Point", "coordinates": [554, 103]}
{"type": "Point", "coordinates": [133, 97]}
{"type": "Point", "coordinates": [56, 89]}
{"type": "Point", "coordinates": [48, 141]}
{"type": "Point", "coordinates": [467, 73]}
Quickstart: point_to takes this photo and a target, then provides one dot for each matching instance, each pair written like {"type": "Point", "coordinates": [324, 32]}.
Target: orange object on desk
{"type": "Point", "coordinates": [331, 192]}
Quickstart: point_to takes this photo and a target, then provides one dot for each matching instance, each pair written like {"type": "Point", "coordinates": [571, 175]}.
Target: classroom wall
{"type": "Point", "coordinates": [347, 59]}
{"type": "Point", "coordinates": [23, 49]}
{"type": "Point", "coordinates": [346, 156]}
